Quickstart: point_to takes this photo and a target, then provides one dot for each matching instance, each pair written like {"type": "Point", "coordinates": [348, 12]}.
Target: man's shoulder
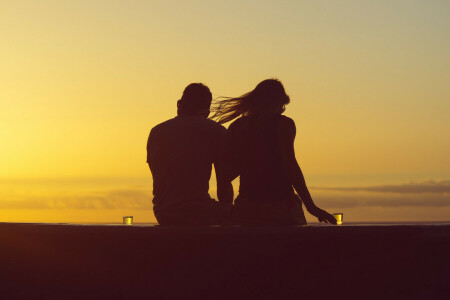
{"type": "Point", "coordinates": [215, 126]}
{"type": "Point", "coordinates": [163, 125]}
{"type": "Point", "coordinates": [183, 122]}
{"type": "Point", "coordinates": [202, 122]}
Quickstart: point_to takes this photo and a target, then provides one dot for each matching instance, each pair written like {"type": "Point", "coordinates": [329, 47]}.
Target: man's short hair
{"type": "Point", "coordinates": [196, 96]}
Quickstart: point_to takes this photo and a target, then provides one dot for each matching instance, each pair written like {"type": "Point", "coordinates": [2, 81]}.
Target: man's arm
{"type": "Point", "coordinates": [221, 165]}
{"type": "Point", "coordinates": [149, 149]}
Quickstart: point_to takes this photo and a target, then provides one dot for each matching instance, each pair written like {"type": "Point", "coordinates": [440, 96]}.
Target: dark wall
{"type": "Point", "coordinates": [310, 262]}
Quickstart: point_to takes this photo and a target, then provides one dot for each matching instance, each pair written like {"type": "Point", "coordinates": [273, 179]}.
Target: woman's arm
{"type": "Point", "coordinates": [225, 192]}
{"type": "Point", "coordinates": [231, 153]}
{"type": "Point", "coordinates": [295, 175]}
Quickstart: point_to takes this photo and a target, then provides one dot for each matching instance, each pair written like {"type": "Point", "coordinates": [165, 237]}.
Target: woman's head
{"type": "Point", "coordinates": [268, 97]}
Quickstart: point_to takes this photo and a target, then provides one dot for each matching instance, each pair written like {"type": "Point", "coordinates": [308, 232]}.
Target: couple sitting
{"type": "Point", "coordinates": [258, 146]}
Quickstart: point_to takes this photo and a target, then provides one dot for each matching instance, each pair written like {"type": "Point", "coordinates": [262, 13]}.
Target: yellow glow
{"type": "Point", "coordinates": [339, 218]}
{"type": "Point", "coordinates": [128, 220]}
{"type": "Point", "coordinates": [83, 82]}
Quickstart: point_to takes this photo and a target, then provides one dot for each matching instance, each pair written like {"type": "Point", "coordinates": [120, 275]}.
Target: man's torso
{"type": "Point", "coordinates": [180, 153]}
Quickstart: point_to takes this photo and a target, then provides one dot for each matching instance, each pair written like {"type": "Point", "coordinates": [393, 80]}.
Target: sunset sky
{"type": "Point", "coordinates": [83, 82]}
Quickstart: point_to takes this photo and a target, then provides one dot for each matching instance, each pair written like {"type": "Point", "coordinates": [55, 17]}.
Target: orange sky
{"type": "Point", "coordinates": [82, 83]}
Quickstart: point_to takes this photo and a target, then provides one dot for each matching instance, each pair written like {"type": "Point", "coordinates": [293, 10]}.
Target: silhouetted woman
{"type": "Point", "coordinates": [261, 151]}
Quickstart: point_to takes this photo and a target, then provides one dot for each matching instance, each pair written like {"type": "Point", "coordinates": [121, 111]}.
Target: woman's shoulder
{"type": "Point", "coordinates": [286, 122]}
{"type": "Point", "coordinates": [287, 126]}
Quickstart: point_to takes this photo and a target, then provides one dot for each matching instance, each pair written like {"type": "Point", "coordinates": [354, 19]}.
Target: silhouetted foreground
{"type": "Point", "coordinates": [40, 261]}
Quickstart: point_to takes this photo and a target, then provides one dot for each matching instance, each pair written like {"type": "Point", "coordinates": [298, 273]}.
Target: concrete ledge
{"type": "Point", "coordinates": [54, 261]}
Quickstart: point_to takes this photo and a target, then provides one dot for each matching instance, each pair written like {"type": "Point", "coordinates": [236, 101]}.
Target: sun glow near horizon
{"type": "Point", "coordinates": [82, 83]}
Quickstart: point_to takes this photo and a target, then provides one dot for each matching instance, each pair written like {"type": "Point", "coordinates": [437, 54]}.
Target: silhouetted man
{"type": "Point", "coordinates": [180, 153]}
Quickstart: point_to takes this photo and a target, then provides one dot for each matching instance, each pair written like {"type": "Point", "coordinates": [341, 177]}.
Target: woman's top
{"type": "Point", "coordinates": [254, 146]}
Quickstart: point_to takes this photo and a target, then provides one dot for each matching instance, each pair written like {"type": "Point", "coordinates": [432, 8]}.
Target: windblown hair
{"type": "Point", "coordinates": [268, 97]}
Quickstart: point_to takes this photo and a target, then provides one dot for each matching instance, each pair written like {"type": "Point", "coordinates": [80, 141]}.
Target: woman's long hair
{"type": "Point", "coordinates": [268, 97]}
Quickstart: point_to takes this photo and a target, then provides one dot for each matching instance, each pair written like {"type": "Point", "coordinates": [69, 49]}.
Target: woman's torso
{"type": "Point", "coordinates": [255, 149]}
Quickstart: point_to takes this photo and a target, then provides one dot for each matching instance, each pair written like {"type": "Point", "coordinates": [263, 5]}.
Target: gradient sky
{"type": "Point", "coordinates": [83, 82]}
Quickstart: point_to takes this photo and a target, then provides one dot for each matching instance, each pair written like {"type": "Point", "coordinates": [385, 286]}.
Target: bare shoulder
{"type": "Point", "coordinates": [287, 124]}
{"type": "Point", "coordinates": [287, 120]}
{"type": "Point", "coordinates": [236, 123]}
{"type": "Point", "coordinates": [286, 127]}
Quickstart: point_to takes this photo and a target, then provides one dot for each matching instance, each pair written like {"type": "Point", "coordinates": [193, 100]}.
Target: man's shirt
{"type": "Point", "coordinates": [180, 153]}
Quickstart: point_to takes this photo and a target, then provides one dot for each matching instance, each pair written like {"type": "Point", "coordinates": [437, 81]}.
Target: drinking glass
{"type": "Point", "coordinates": [128, 220]}
{"type": "Point", "coordinates": [339, 217]}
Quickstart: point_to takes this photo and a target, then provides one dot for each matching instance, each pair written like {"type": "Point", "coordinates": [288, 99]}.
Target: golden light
{"type": "Point", "coordinates": [128, 220]}
{"type": "Point", "coordinates": [339, 217]}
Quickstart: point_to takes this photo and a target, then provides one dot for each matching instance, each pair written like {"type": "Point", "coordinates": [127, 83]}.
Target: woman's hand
{"type": "Point", "coordinates": [322, 215]}
{"type": "Point", "coordinates": [294, 173]}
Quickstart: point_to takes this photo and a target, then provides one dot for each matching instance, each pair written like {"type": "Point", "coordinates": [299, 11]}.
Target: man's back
{"type": "Point", "coordinates": [180, 153]}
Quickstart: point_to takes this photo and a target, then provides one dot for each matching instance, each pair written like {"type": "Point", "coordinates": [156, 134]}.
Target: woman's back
{"type": "Point", "coordinates": [261, 148]}
{"type": "Point", "coordinates": [255, 148]}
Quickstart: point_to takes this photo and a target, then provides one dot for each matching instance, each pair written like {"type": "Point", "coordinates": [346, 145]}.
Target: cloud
{"type": "Point", "coordinates": [106, 199]}
{"type": "Point", "coordinates": [413, 194]}
{"type": "Point", "coordinates": [430, 186]}
{"type": "Point", "coordinates": [434, 194]}
{"type": "Point", "coordinates": [350, 199]}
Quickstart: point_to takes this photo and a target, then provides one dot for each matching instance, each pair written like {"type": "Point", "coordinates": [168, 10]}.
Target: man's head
{"type": "Point", "coordinates": [196, 100]}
